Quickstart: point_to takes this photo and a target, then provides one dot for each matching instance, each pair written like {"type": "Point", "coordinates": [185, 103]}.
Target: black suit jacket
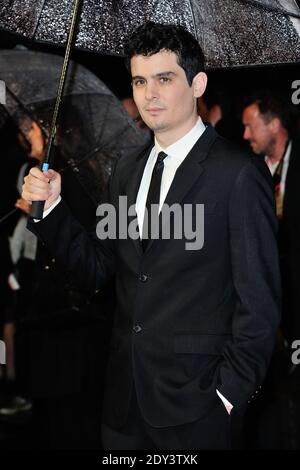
{"type": "Point", "coordinates": [289, 246]}
{"type": "Point", "coordinates": [186, 322]}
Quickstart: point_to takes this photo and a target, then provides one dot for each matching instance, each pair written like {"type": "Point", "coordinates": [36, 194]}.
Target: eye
{"type": "Point", "coordinates": [164, 79]}
{"type": "Point", "coordinates": [138, 82]}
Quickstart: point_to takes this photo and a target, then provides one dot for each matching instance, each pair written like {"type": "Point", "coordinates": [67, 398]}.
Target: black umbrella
{"type": "Point", "coordinates": [94, 130]}
{"type": "Point", "coordinates": [231, 32]}
{"type": "Point", "coordinates": [38, 207]}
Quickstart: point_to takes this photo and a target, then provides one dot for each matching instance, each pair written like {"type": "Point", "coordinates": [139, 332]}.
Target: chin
{"type": "Point", "coordinates": [158, 126]}
{"type": "Point", "coordinates": [255, 149]}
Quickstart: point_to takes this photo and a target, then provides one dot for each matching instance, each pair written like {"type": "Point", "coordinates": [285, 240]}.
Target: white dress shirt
{"type": "Point", "coordinates": [176, 153]}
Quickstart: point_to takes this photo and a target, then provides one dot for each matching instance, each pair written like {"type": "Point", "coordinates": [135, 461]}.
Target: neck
{"type": "Point", "coordinates": [276, 153]}
{"type": "Point", "coordinates": [167, 138]}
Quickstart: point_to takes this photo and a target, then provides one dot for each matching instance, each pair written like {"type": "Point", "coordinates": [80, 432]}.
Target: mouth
{"type": "Point", "coordinates": [154, 111]}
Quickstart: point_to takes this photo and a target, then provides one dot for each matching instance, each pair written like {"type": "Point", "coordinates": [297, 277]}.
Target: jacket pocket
{"type": "Point", "coordinates": [195, 343]}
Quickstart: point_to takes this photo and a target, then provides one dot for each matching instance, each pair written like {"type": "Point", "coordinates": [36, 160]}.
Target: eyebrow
{"type": "Point", "coordinates": [157, 75]}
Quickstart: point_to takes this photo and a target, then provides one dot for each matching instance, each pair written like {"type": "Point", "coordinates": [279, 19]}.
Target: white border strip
{"type": "Point", "coordinates": [2, 93]}
{"type": "Point", "coordinates": [2, 353]}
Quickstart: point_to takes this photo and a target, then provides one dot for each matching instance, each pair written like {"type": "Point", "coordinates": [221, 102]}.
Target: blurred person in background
{"type": "Point", "coordinates": [267, 128]}
{"type": "Point", "coordinates": [216, 107]}
{"type": "Point", "coordinates": [13, 155]}
{"type": "Point", "coordinates": [61, 344]}
{"type": "Point", "coordinates": [131, 108]}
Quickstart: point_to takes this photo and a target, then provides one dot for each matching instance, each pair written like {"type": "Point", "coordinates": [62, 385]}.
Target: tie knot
{"type": "Point", "coordinates": [160, 159]}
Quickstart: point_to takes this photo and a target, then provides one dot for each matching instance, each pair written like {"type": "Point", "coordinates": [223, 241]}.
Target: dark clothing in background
{"type": "Point", "coordinates": [63, 341]}
{"type": "Point", "coordinates": [12, 157]}
{"type": "Point", "coordinates": [289, 247]}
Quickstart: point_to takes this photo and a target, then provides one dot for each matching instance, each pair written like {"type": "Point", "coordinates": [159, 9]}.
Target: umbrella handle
{"type": "Point", "coordinates": [37, 207]}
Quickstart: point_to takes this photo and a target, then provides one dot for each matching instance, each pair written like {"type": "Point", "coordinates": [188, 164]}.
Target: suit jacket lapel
{"type": "Point", "coordinates": [189, 172]}
{"type": "Point", "coordinates": [134, 184]}
{"type": "Point", "coordinates": [191, 168]}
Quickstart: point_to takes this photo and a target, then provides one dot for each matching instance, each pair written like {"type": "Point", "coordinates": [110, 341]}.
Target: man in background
{"type": "Point", "coordinates": [267, 128]}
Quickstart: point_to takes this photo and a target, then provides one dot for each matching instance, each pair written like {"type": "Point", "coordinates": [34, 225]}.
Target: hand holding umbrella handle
{"type": "Point", "coordinates": [37, 208]}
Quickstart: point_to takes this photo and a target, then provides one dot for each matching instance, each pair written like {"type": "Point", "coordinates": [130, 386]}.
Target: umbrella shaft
{"type": "Point", "coordinates": [62, 82]}
{"type": "Point", "coordinates": [6, 216]}
{"type": "Point", "coordinates": [38, 206]}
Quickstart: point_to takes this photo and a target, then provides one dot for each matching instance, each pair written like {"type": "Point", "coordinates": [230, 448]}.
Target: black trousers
{"type": "Point", "coordinates": [210, 432]}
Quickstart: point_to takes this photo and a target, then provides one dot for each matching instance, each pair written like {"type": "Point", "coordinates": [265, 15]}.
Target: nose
{"type": "Point", "coordinates": [29, 135]}
{"type": "Point", "coordinates": [151, 91]}
{"type": "Point", "coordinates": [247, 134]}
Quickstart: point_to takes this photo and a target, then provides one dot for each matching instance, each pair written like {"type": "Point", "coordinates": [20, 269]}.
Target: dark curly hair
{"type": "Point", "coordinates": [151, 38]}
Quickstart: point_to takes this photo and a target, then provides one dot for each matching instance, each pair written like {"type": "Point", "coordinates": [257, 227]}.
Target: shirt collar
{"type": "Point", "coordinates": [182, 147]}
{"type": "Point", "coordinates": [286, 157]}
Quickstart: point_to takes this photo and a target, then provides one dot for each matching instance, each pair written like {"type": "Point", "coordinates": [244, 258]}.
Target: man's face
{"type": "Point", "coordinates": [257, 131]}
{"type": "Point", "coordinates": [35, 137]}
{"type": "Point", "coordinates": [133, 112]}
{"type": "Point", "coordinates": [162, 94]}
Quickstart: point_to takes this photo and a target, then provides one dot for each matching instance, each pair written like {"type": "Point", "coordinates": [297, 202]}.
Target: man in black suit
{"type": "Point", "coordinates": [268, 129]}
{"type": "Point", "coordinates": [195, 322]}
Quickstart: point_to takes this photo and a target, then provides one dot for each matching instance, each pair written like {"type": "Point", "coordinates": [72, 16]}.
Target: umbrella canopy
{"type": "Point", "coordinates": [231, 32]}
{"type": "Point", "coordinates": [93, 131]}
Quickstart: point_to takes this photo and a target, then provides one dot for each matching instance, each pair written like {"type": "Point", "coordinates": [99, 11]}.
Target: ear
{"type": "Point", "coordinates": [199, 84]}
{"type": "Point", "coordinates": [275, 125]}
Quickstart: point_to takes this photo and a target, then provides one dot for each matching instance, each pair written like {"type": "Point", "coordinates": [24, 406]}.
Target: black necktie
{"type": "Point", "coordinates": [153, 197]}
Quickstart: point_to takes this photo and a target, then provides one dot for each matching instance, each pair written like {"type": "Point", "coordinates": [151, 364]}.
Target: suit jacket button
{"type": "Point", "coordinates": [137, 328]}
{"type": "Point", "coordinates": [143, 277]}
